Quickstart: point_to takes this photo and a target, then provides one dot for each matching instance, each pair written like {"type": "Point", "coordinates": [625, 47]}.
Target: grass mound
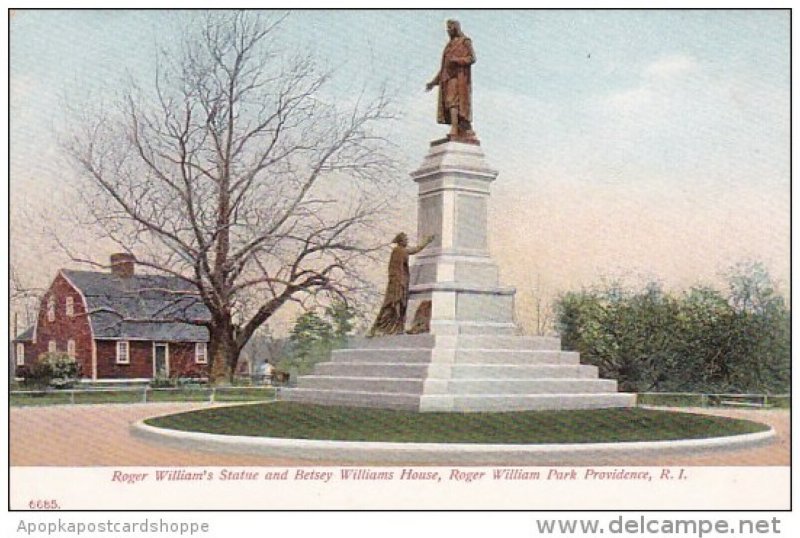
{"type": "Point", "coordinates": [303, 421]}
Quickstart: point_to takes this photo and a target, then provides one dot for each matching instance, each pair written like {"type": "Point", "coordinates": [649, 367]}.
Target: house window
{"type": "Point", "coordinates": [51, 308]}
{"type": "Point", "coordinates": [201, 353]}
{"type": "Point", "coordinates": [70, 307]}
{"type": "Point", "coordinates": [123, 353]}
{"type": "Point", "coordinates": [51, 346]}
{"type": "Point", "coordinates": [71, 348]}
{"type": "Point", "coordinates": [20, 354]}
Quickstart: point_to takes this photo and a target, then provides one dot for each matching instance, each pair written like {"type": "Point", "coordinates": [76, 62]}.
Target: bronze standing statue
{"type": "Point", "coordinates": [455, 85]}
{"type": "Point", "coordinates": [392, 316]}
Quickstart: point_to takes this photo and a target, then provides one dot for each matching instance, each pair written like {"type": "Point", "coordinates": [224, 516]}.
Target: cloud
{"type": "Point", "coordinates": [20, 88]}
{"type": "Point", "coordinates": [687, 121]}
{"type": "Point", "coordinates": [659, 82]}
{"type": "Point", "coordinates": [671, 67]}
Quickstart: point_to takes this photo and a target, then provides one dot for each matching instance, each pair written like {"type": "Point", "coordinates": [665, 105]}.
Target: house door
{"type": "Point", "coordinates": [160, 360]}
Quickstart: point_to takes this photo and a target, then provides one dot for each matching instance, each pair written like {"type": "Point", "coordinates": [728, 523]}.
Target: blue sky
{"type": "Point", "coordinates": [652, 142]}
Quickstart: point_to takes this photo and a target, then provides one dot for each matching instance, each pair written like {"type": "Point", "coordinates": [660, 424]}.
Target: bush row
{"type": "Point", "coordinates": [700, 340]}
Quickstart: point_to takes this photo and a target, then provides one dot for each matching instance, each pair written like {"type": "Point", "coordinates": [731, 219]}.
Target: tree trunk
{"type": "Point", "coordinates": [224, 353]}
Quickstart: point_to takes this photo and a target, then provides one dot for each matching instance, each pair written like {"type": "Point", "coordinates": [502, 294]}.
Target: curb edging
{"type": "Point", "coordinates": [464, 453]}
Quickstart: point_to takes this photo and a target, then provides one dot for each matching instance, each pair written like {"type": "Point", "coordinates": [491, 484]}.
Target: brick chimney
{"type": "Point", "coordinates": [123, 264]}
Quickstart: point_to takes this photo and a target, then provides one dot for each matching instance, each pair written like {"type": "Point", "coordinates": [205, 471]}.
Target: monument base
{"type": "Point", "coordinates": [462, 139]}
{"type": "Point", "coordinates": [459, 308]}
{"type": "Point", "coordinates": [457, 372]}
{"type": "Point", "coordinates": [473, 357]}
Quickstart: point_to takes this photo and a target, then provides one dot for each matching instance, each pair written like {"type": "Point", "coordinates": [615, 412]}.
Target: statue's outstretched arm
{"type": "Point", "coordinates": [434, 82]}
{"type": "Point", "coordinates": [428, 240]}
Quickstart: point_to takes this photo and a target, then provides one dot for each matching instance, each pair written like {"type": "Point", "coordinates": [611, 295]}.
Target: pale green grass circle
{"type": "Point", "coordinates": [288, 420]}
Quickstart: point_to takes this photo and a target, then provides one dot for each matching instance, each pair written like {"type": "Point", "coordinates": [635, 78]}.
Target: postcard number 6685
{"type": "Point", "coordinates": [43, 504]}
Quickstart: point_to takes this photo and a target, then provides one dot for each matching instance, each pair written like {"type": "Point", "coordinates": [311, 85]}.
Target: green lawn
{"type": "Point", "coordinates": [243, 394]}
{"type": "Point", "coordinates": [107, 397]}
{"type": "Point", "coordinates": [191, 395]}
{"type": "Point", "coordinates": [302, 421]}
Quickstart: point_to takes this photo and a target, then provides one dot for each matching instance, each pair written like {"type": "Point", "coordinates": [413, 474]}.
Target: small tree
{"type": "Point", "coordinates": [53, 369]}
{"type": "Point", "coordinates": [313, 337]}
{"type": "Point", "coordinates": [341, 316]}
{"type": "Point", "coordinates": [309, 343]}
{"type": "Point", "coordinates": [761, 329]}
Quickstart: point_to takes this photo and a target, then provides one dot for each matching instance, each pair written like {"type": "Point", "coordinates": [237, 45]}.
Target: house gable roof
{"type": "Point", "coordinates": [141, 307]}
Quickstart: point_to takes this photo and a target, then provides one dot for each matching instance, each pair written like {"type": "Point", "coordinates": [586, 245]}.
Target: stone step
{"type": "Point", "coordinates": [400, 341]}
{"type": "Point", "coordinates": [458, 403]}
{"type": "Point", "coordinates": [406, 402]}
{"type": "Point", "coordinates": [524, 402]}
{"type": "Point", "coordinates": [440, 327]}
{"type": "Point", "coordinates": [522, 371]}
{"type": "Point", "coordinates": [515, 356]}
{"type": "Point", "coordinates": [361, 384]}
{"type": "Point", "coordinates": [456, 386]}
{"type": "Point", "coordinates": [456, 371]}
{"type": "Point", "coordinates": [372, 369]}
{"type": "Point", "coordinates": [485, 341]}
{"type": "Point", "coordinates": [394, 355]}
{"type": "Point", "coordinates": [482, 341]}
{"type": "Point", "coordinates": [460, 356]}
{"type": "Point", "coordinates": [519, 386]}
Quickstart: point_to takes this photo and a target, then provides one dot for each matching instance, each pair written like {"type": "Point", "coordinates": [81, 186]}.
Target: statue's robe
{"type": "Point", "coordinates": [392, 316]}
{"type": "Point", "coordinates": [455, 80]}
{"type": "Point", "coordinates": [422, 319]}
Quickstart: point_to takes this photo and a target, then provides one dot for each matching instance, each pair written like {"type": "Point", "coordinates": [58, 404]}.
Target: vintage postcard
{"type": "Point", "coordinates": [400, 259]}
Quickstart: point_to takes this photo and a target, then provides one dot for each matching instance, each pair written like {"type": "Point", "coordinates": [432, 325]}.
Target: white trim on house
{"type": "Point", "coordinates": [165, 345]}
{"type": "Point", "coordinates": [127, 358]}
{"type": "Point", "coordinates": [70, 306]}
{"type": "Point", "coordinates": [71, 348]}
{"type": "Point", "coordinates": [52, 347]}
{"type": "Point", "coordinates": [51, 308]}
{"type": "Point", "coordinates": [197, 354]}
{"type": "Point", "coordinates": [20, 354]}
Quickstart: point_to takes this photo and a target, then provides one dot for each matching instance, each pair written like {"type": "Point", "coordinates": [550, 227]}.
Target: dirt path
{"type": "Point", "coordinates": [99, 435]}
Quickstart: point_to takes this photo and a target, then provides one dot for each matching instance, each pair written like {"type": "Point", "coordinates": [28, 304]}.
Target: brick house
{"type": "Point", "coordinates": [119, 325]}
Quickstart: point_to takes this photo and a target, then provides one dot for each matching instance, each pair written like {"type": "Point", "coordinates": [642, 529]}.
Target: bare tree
{"type": "Point", "coordinates": [23, 298]}
{"type": "Point", "coordinates": [535, 309]}
{"type": "Point", "coordinates": [238, 173]}
{"type": "Point", "coordinates": [264, 347]}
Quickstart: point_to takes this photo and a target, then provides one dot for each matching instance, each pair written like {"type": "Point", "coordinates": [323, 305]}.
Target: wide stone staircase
{"type": "Point", "coordinates": [462, 372]}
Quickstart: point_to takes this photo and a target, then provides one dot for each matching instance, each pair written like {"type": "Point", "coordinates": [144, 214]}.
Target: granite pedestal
{"type": "Point", "coordinates": [474, 358]}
